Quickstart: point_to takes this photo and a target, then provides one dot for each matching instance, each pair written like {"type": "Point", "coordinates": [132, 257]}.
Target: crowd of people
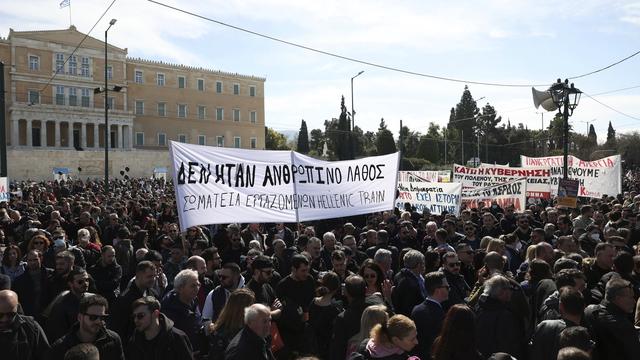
{"type": "Point", "coordinates": [89, 274]}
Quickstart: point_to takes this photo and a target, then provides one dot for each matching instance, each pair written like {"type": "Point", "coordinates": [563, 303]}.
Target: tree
{"type": "Point", "coordinates": [463, 119]}
{"type": "Point", "coordinates": [384, 140]}
{"type": "Point", "coordinates": [593, 137]}
{"type": "Point", "coordinates": [338, 132]}
{"type": "Point", "coordinates": [275, 140]}
{"type": "Point", "coordinates": [303, 139]}
{"type": "Point", "coordinates": [410, 141]}
{"type": "Point", "coordinates": [611, 137]}
{"type": "Point", "coordinates": [429, 145]}
{"type": "Point", "coordinates": [316, 143]}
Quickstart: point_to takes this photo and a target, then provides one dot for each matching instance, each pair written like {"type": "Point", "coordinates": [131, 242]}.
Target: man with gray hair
{"type": "Point", "coordinates": [384, 259]}
{"type": "Point", "coordinates": [251, 342]}
{"type": "Point", "coordinates": [498, 329]}
{"type": "Point", "coordinates": [181, 304]}
{"type": "Point", "coordinates": [409, 290]}
{"type": "Point", "coordinates": [328, 246]}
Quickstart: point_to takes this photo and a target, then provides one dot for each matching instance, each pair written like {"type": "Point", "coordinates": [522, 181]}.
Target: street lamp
{"type": "Point", "coordinates": [353, 112]}
{"type": "Point", "coordinates": [567, 96]}
{"type": "Point", "coordinates": [106, 111]}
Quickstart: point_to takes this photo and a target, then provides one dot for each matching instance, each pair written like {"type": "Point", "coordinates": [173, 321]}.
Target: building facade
{"type": "Point", "coordinates": [55, 102]}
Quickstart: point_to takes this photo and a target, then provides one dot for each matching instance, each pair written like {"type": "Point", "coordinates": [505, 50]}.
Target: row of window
{"type": "Point", "coordinates": [202, 140]}
{"type": "Point", "coordinates": [182, 111]}
{"type": "Point", "coordinates": [75, 65]}
{"type": "Point", "coordinates": [182, 83]}
{"type": "Point", "coordinates": [70, 96]}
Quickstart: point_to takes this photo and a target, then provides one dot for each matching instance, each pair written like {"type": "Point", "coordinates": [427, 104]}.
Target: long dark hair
{"type": "Point", "coordinates": [457, 338]}
{"type": "Point", "coordinates": [369, 264]}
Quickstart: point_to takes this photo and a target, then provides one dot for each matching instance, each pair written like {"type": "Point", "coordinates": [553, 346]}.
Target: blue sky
{"type": "Point", "coordinates": [524, 42]}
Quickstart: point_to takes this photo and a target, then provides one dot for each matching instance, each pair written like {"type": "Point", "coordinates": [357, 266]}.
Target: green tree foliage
{"type": "Point", "coordinates": [303, 139]}
{"type": "Point", "coordinates": [384, 140]}
{"type": "Point", "coordinates": [429, 146]}
{"type": "Point", "coordinates": [358, 139]}
{"type": "Point", "coordinates": [339, 137]}
{"type": "Point", "coordinates": [275, 140]}
{"type": "Point", "coordinates": [593, 137]}
{"type": "Point", "coordinates": [629, 149]}
{"type": "Point", "coordinates": [316, 143]}
{"type": "Point", "coordinates": [611, 137]}
{"type": "Point", "coordinates": [463, 120]}
{"type": "Point", "coordinates": [410, 141]}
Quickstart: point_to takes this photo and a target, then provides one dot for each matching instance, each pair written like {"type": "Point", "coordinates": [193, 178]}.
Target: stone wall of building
{"type": "Point", "coordinates": [24, 164]}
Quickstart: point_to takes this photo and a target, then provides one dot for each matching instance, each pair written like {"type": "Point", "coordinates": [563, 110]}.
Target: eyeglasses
{"type": "Point", "coordinates": [38, 243]}
{"type": "Point", "coordinates": [94, 317]}
{"type": "Point", "coordinates": [139, 316]}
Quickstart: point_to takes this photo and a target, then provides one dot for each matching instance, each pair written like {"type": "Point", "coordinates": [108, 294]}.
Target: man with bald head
{"type": "Point", "coordinates": [21, 338]}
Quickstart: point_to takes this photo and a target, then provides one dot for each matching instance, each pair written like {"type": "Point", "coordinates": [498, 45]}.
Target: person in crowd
{"type": "Point", "coordinates": [609, 322]}
{"type": "Point", "coordinates": [578, 337]}
{"type": "Point", "coordinates": [262, 273]}
{"type": "Point", "coordinates": [64, 309]}
{"type": "Point", "coordinates": [409, 288]}
{"type": "Point", "coordinates": [322, 313]}
{"type": "Point", "coordinates": [373, 276]}
{"type": "Point", "coordinates": [175, 264]}
{"type": "Point", "coordinates": [213, 260]}
{"type": "Point", "coordinates": [467, 269]}
{"type": "Point", "coordinates": [90, 328]}
{"type": "Point", "coordinates": [229, 323]}
{"type": "Point", "coordinates": [199, 265]}
{"type": "Point", "coordinates": [470, 235]}
{"type": "Point", "coordinates": [585, 219]}
{"type": "Point", "coordinates": [160, 284]}
{"type": "Point", "coordinates": [230, 280]}
{"type": "Point", "coordinates": [252, 342]}
{"type": "Point", "coordinates": [83, 351]}
{"type": "Point", "coordinates": [107, 274]}
{"type": "Point", "coordinates": [371, 316]}
{"type": "Point", "coordinates": [508, 334]}
{"type": "Point", "coordinates": [391, 341]}
{"type": "Point", "coordinates": [21, 337]}
{"type": "Point", "coordinates": [12, 264]}
{"type": "Point", "coordinates": [453, 236]}
{"type": "Point", "coordinates": [454, 341]}
{"type": "Point", "coordinates": [458, 288]}
{"type": "Point", "coordinates": [155, 336]}
{"type": "Point", "coordinates": [550, 308]}
{"type": "Point", "coordinates": [90, 251]}
{"type": "Point", "coordinates": [441, 245]}
{"type": "Point", "coordinates": [339, 264]}
{"type": "Point", "coordinates": [384, 259]}
{"type": "Point", "coordinates": [181, 305]}
{"type": "Point", "coordinates": [429, 315]}
{"type": "Point", "coordinates": [32, 286]}
{"type": "Point", "coordinates": [382, 242]}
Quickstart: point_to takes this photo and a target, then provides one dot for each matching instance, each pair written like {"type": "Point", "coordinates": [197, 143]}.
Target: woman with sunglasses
{"type": "Point", "coordinates": [373, 277]}
{"type": "Point", "coordinates": [40, 243]}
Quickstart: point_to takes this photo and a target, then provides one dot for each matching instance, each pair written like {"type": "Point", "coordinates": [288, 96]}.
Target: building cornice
{"type": "Point", "coordinates": [169, 65]}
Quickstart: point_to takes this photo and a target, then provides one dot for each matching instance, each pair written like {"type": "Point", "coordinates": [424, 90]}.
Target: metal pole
{"type": "Point", "coordinates": [462, 147]}
{"type": "Point", "coordinates": [3, 121]}
{"type": "Point", "coordinates": [106, 117]}
{"type": "Point", "coordinates": [353, 114]}
{"type": "Point", "coordinates": [445, 146]}
{"type": "Point", "coordinates": [566, 134]}
{"type": "Point", "coordinates": [478, 149]}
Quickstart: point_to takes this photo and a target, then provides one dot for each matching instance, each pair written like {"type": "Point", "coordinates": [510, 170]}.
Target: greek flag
{"type": "Point", "coordinates": [65, 3]}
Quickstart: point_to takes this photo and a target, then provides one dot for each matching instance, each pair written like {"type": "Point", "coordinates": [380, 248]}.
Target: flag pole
{"type": "Point", "coordinates": [70, 22]}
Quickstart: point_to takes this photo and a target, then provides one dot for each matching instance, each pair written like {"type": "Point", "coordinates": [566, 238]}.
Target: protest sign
{"type": "Point", "coordinates": [444, 176]}
{"type": "Point", "coordinates": [417, 176]}
{"type": "Point", "coordinates": [538, 178]}
{"type": "Point", "coordinates": [483, 165]}
{"type": "Point", "coordinates": [568, 192]}
{"type": "Point", "coordinates": [597, 178]}
{"type": "Point", "coordinates": [4, 189]}
{"type": "Point", "coordinates": [505, 194]}
{"type": "Point", "coordinates": [435, 197]}
{"type": "Point", "coordinates": [222, 185]}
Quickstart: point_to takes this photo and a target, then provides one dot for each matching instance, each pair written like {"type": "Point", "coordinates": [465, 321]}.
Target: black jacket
{"type": "Point", "coordinates": [498, 329]}
{"type": "Point", "coordinates": [185, 317]}
{"type": "Point", "coordinates": [613, 332]}
{"type": "Point", "coordinates": [32, 303]}
{"type": "Point", "coordinates": [121, 321]}
{"type": "Point", "coordinates": [406, 294]}
{"type": "Point", "coordinates": [428, 318]}
{"type": "Point", "coordinates": [108, 344]}
{"type": "Point", "coordinates": [64, 313]}
{"type": "Point", "coordinates": [247, 345]}
{"type": "Point", "coordinates": [107, 280]}
{"type": "Point", "coordinates": [544, 343]}
{"type": "Point", "coordinates": [24, 341]}
{"type": "Point", "coordinates": [347, 324]}
{"type": "Point", "coordinates": [171, 343]}
{"type": "Point", "coordinates": [550, 309]}
{"type": "Point", "coordinates": [458, 291]}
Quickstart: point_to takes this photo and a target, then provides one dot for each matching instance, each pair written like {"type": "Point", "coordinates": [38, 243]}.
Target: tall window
{"type": "Point", "coordinates": [111, 103]}
{"type": "Point", "coordinates": [139, 107]}
{"type": "Point", "coordinates": [200, 84]}
{"type": "Point", "coordinates": [182, 82]}
{"type": "Point", "coordinates": [219, 114]}
{"type": "Point", "coordinates": [162, 139]}
{"type": "Point", "coordinates": [34, 63]}
{"type": "Point", "coordinates": [162, 109]}
{"type": "Point", "coordinates": [59, 95]}
{"type": "Point", "coordinates": [182, 110]}
{"type": "Point", "coordinates": [34, 97]}
{"type": "Point", "coordinates": [160, 79]}
{"type": "Point", "coordinates": [254, 117]}
{"type": "Point", "coordinates": [73, 65]}
{"type": "Point", "coordinates": [86, 97]}
{"type": "Point", "coordinates": [139, 139]}
{"type": "Point", "coordinates": [236, 115]}
{"type": "Point", "coordinates": [182, 138]}
{"type": "Point", "coordinates": [110, 72]}
{"type": "Point", "coordinates": [73, 97]}
{"type": "Point", "coordinates": [219, 87]}
{"type": "Point", "coordinates": [252, 90]}
{"type": "Point", "coordinates": [84, 70]}
{"type": "Point", "coordinates": [60, 63]}
{"type": "Point", "coordinates": [236, 89]}
{"type": "Point", "coordinates": [138, 77]}
{"type": "Point", "coordinates": [201, 112]}
{"type": "Point", "coordinates": [202, 140]}
{"type": "Point", "coordinates": [236, 141]}
{"type": "Point", "coordinates": [220, 141]}
{"type": "Point", "coordinates": [254, 143]}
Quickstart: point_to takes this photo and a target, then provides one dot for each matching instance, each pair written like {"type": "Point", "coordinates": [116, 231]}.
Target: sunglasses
{"type": "Point", "coordinates": [94, 317]}
{"type": "Point", "coordinates": [38, 243]}
{"type": "Point", "coordinates": [370, 276]}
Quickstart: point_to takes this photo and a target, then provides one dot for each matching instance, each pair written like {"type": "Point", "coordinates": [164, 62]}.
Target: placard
{"type": "Point", "coordinates": [568, 192]}
{"type": "Point", "coordinates": [538, 178]}
{"type": "Point", "coordinates": [505, 194]}
{"type": "Point", "coordinates": [418, 176]}
{"type": "Point", "coordinates": [224, 185]}
{"type": "Point", "coordinates": [4, 189]}
{"type": "Point", "coordinates": [436, 197]}
{"type": "Point", "coordinates": [597, 178]}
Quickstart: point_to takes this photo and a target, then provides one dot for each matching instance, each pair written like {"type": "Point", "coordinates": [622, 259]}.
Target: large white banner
{"type": "Point", "coordinates": [597, 178]}
{"type": "Point", "coordinates": [4, 189]}
{"type": "Point", "coordinates": [436, 197]}
{"type": "Point", "coordinates": [505, 194]}
{"type": "Point", "coordinates": [538, 178]}
{"type": "Point", "coordinates": [222, 185]}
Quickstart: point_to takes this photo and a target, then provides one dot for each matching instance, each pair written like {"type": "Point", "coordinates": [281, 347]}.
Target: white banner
{"type": "Point", "coordinates": [482, 165]}
{"type": "Point", "coordinates": [538, 178]}
{"type": "Point", "coordinates": [223, 185]}
{"type": "Point", "coordinates": [4, 189]}
{"type": "Point", "coordinates": [597, 178]}
{"type": "Point", "coordinates": [505, 194]}
{"type": "Point", "coordinates": [436, 197]}
{"type": "Point", "coordinates": [418, 176]}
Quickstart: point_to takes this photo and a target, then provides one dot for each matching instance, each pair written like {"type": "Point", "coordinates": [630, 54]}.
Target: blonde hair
{"type": "Point", "coordinates": [495, 245]}
{"type": "Point", "coordinates": [398, 326]}
{"type": "Point", "coordinates": [531, 253]}
{"type": "Point", "coordinates": [371, 316]}
{"type": "Point", "coordinates": [485, 241]}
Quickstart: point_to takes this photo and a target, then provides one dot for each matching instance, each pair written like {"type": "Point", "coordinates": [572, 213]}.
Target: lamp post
{"type": "Point", "coordinates": [353, 112]}
{"type": "Point", "coordinates": [106, 111]}
{"type": "Point", "coordinates": [566, 98]}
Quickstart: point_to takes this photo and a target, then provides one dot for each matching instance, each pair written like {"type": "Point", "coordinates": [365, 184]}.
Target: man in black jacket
{"type": "Point", "coordinates": [90, 329]}
{"type": "Point", "coordinates": [64, 309]}
{"type": "Point", "coordinates": [22, 337]}
{"type": "Point", "coordinates": [429, 315]}
{"type": "Point", "coordinates": [181, 305]}
{"type": "Point", "coordinates": [31, 286]}
{"type": "Point", "coordinates": [459, 289]}
{"type": "Point", "coordinates": [155, 336]}
{"type": "Point", "coordinates": [609, 323]}
{"type": "Point", "coordinates": [409, 290]}
{"type": "Point", "coordinates": [252, 342]}
{"type": "Point", "coordinates": [107, 274]}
